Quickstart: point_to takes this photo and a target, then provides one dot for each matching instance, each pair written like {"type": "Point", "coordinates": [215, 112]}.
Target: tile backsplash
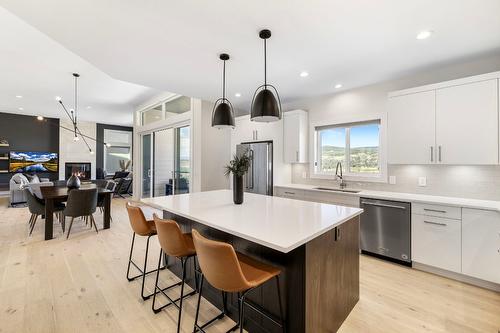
{"type": "Point", "coordinates": [478, 182]}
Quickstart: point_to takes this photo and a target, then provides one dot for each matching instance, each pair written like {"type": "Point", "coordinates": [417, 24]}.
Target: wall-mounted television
{"type": "Point", "coordinates": [28, 161]}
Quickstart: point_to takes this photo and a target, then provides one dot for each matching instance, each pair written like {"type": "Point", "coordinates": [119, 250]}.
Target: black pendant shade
{"type": "Point", "coordinates": [266, 104]}
{"type": "Point", "coordinates": [223, 114]}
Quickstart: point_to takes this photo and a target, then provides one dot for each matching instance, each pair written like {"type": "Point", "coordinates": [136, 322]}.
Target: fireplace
{"type": "Point", "coordinates": [81, 169]}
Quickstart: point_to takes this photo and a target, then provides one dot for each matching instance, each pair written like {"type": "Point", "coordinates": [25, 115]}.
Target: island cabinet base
{"type": "Point", "coordinates": [319, 280]}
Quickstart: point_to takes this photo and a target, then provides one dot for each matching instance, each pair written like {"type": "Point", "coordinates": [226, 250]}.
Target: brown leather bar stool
{"type": "Point", "coordinates": [179, 245]}
{"type": "Point", "coordinates": [229, 271]}
{"type": "Point", "coordinates": [144, 228]}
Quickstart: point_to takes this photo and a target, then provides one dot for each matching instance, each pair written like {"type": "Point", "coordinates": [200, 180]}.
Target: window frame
{"type": "Point", "coordinates": [315, 164]}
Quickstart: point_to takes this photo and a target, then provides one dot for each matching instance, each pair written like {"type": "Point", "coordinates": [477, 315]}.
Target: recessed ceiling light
{"type": "Point", "coordinates": [39, 118]}
{"type": "Point", "coordinates": [89, 107]}
{"type": "Point", "coordinates": [20, 109]}
{"type": "Point", "coordinates": [424, 34]}
{"type": "Point", "coordinates": [237, 95]}
{"type": "Point", "coordinates": [58, 98]}
{"type": "Point", "coordinates": [338, 86]}
{"type": "Point", "coordinates": [304, 74]}
{"type": "Point", "coordinates": [19, 96]}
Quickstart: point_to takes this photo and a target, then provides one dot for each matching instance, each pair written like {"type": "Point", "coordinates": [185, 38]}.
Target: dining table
{"type": "Point", "coordinates": [60, 193]}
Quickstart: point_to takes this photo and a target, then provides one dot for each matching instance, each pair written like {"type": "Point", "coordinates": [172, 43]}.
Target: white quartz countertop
{"type": "Point", "coordinates": [409, 197]}
{"type": "Point", "coordinates": [278, 223]}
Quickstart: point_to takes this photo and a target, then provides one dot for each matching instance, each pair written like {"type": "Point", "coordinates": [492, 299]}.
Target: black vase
{"type": "Point", "coordinates": [238, 189]}
{"type": "Point", "coordinates": [73, 182]}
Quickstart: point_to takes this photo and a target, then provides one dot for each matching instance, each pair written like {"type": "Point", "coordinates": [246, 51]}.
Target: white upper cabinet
{"type": "Point", "coordinates": [467, 123]}
{"type": "Point", "coordinates": [295, 126]}
{"type": "Point", "coordinates": [411, 128]}
{"type": "Point", "coordinates": [481, 244]}
{"type": "Point", "coordinates": [454, 122]}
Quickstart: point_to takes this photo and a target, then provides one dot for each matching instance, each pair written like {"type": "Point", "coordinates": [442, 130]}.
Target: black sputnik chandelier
{"type": "Point", "coordinates": [72, 114]}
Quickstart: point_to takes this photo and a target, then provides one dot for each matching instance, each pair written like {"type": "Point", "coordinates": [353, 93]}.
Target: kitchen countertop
{"type": "Point", "coordinates": [278, 223]}
{"type": "Point", "coordinates": [410, 197]}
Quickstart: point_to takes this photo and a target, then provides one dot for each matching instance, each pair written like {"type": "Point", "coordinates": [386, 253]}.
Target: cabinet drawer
{"type": "Point", "coordinates": [437, 242]}
{"type": "Point", "coordinates": [332, 198]}
{"type": "Point", "coordinates": [291, 193]}
{"type": "Point", "coordinates": [437, 211]}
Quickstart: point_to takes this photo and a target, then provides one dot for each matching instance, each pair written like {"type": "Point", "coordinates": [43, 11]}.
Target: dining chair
{"type": "Point", "coordinates": [110, 186]}
{"type": "Point", "coordinates": [81, 203]}
{"type": "Point", "coordinates": [37, 208]}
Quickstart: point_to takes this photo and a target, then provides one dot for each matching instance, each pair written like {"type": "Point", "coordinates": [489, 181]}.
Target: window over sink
{"type": "Point", "coordinates": [355, 145]}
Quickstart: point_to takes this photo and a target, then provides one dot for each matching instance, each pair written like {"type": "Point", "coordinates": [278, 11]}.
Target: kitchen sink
{"type": "Point", "coordinates": [336, 189]}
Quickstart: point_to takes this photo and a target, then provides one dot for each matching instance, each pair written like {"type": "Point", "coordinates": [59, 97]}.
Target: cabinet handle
{"type": "Point", "coordinates": [337, 234]}
{"type": "Point", "coordinates": [435, 210]}
{"type": "Point", "coordinates": [289, 192]}
{"type": "Point", "coordinates": [256, 135]}
{"type": "Point", "coordinates": [432, 154]}
{"type": "Point", "coordinates": [436, 223]}
{"type": "Point", "coordinates": [439, 153]}
{"type": "Point", "coordinates": [297, 156]}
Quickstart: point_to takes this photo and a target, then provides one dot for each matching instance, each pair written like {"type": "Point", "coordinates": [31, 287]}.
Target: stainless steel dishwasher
{"type": "Point", "coordinates": [386, 229]}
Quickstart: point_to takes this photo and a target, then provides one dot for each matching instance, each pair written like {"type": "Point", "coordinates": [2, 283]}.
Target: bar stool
{"type": "Point", "coordinates": [230, 271]}
{"type": "Point", "coordinates": [179, 245]}
{"type": "Point", "coordinates": [141, 227]}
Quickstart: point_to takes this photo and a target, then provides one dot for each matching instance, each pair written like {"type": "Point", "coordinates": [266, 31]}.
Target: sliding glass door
{"type": "Point", "coordinates": [166, 159]}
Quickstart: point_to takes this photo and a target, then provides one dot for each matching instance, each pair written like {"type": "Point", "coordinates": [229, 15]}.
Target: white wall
{"type": "Point", "coordinates": [371, 101]}
{"type": "Point", "coordinates": [215, 145]}
{"type": "Point", "coordinates": [71, 151]}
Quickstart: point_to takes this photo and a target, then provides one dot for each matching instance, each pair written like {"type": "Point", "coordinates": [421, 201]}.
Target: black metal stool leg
{"type": "Point", "coordinates": [282, 318]}
{"type": "Point", "coordinates": [144, 270]}
{"type": "Point", "coordinates": [242, 311]}
{"type": "Point", "coordinates": [200, 287]}
{"type": "Point", "coordinates": [130, 258]}
{"type": "Point", "coordinates": [183, 262]}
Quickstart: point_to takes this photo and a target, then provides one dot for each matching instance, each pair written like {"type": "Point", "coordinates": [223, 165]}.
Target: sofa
{"type": "Point", "coordinates": [19, 182]}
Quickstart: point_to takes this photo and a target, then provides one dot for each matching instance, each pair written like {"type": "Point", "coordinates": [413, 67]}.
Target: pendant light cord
{"type": "Point", "coordinates": [76, 98]}
{"type": "Point", "coordinates": [224, 81]}
{"type": "Point", "coordinates": [265, 63]}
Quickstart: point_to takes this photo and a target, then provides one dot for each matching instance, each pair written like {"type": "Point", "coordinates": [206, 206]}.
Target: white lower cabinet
{"type": "Point", "coordinates": [437, 242]}
{"type": "Point", "coordinates": [481, 244]}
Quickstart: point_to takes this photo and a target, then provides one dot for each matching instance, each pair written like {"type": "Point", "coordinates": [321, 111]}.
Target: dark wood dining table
{"type": "Point", "coordinates": [50, 194]}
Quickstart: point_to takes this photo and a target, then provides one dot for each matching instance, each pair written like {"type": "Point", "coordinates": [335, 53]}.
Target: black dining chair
{"type": "Point", "coordinates": [81, 203]}
{"type": "Point", "coordinates": [37, 208]}
{"type": "Point", "coordinates": [110, 186]}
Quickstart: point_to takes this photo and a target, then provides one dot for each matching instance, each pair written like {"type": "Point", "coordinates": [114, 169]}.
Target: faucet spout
{"type": "Point", "coordinates": [338, 174]}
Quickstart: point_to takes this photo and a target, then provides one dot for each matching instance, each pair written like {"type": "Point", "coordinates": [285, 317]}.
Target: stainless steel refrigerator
{"type": "Point", "coordinates": [259, 178]}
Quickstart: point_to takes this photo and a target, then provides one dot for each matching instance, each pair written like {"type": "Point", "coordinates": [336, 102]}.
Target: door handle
{"type": "Point", "coordinates": [382, 205]}
{"type": "Point", "coordinates": [436, 223]}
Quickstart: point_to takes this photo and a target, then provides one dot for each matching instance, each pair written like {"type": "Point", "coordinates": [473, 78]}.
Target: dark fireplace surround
{"type": "Point", "coordinates": [80, 169]}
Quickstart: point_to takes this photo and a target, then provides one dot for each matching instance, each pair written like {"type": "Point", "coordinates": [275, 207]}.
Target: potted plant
{"type": "Point", "coordinates": [238, 166]}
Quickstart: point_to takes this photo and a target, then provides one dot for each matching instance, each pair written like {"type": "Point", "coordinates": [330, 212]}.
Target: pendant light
{"type": "Point", "coordinates": [266, 104]}
{"type": "Point", "coordinates": [223, 114]}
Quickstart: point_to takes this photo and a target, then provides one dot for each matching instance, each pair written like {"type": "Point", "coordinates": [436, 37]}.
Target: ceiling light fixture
{"type": "Point", "coordinates": [304, 74]}
{"type": "Point", "coordinates": [266, 106]}
{"type": "Point", "coordinates": [338, 86]}
{"type": "Point", "coordinates": [73, 117]}
{"type": "Point", "coordinates": [39, 118]}
{"type": "Point", "coordinates": [19, 96]}
{"type": "Point", "coordinates": [222, 113]}
{"type": "Point", "coordinates": [237, 95]}
{"type": "Point", "coordinates": [20, 109]}
{"type": "Point", "coordinates": [424, 34]}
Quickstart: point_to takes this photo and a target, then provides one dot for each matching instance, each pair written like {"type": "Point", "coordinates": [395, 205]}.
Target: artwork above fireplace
{"type": "Point", "coordinates": [80, 169]}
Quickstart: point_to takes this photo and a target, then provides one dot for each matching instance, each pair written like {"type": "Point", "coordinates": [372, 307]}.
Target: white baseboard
{"type": "Point", "coordinates": [457, 276]}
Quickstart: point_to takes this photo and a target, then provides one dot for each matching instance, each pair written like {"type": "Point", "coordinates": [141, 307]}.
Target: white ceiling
{"type": "Point", "coordinates": [38, 68]}
{"type": "Point", "coordinates": [174, 45]}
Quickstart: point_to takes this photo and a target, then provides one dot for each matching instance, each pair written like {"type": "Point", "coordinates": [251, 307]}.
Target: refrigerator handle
{"type": "Point", "coordinates": [250, 155]}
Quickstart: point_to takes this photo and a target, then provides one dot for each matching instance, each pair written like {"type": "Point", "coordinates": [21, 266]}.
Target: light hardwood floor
{"type": "Point", "coordinates": [79, 285]}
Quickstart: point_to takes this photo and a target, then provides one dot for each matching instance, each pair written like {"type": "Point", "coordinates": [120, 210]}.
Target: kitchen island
{"type": "Point", "coordinates": [315, 245]}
